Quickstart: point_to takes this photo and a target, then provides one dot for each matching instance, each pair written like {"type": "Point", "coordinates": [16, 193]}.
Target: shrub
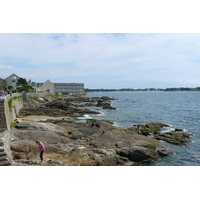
{"type": "Point", "coordinates": [12, 124]}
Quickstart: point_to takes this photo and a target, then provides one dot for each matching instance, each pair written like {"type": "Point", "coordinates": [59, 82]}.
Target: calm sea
{"type": "Point", "coordinates": [178, 109]}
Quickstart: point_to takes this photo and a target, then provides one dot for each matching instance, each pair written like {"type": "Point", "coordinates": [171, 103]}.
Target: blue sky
{"type": "Point", "coordinates": [104, 60]}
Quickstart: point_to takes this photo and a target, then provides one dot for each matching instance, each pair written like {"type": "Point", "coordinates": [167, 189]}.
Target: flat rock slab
{"type": "Point", "coordinates": [173, 137]}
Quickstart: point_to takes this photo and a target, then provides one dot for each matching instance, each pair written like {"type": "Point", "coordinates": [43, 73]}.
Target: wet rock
{"type": "Point", "coordinates": [106, 98]}
{"type": "Point", "coordinates": [173, 137]}
{"type": "Point", "coordinates": [152, 127]}
{"type": "Point", "coordinates": [104, 104]}
{"type": "Point", "coordinates": [164, 152]}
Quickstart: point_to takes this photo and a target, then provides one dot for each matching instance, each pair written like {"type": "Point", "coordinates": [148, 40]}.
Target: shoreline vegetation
{"type": "Point", "coordinates": [72, 140]}
{"type": "Point", "coordinates": [146, 89]}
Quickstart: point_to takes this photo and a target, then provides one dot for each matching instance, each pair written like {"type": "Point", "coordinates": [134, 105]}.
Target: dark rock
{"type": "Point", "coordinates": [145, 133]}
{"type": "Point", "coordinates": [18, 155]}
{"type": "Point", "coordinates": [164, 152]}
{"type": "Point", "coordinates": [149, 128]}
{"type": "Point", "coordinates": [104, 104]}
{"type": "Point", "coordinates": [178, 129]}
{"type": "Point", "coordinates": [106, 98]}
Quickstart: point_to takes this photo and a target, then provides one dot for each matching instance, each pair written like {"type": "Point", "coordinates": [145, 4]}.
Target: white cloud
{"type": "Point", "coordinates": [133, 58]}
{"type": "Point", "coordinates": [5, 67]}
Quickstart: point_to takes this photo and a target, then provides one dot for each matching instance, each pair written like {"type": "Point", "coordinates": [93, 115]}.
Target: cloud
{"type": "Point", "coordinates": [5, 67]}
{"type": "Point", "coordinates": [134, 59]}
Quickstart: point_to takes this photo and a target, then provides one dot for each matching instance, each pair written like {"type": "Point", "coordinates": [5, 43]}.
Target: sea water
{"type": "Point", "coordinates": [178, 109]}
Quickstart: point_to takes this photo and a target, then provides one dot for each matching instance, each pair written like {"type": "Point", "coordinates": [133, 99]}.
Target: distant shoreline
{"type": "Point", "coordinates": [142, 90]}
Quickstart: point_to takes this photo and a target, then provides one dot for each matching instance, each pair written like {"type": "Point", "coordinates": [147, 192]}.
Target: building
{"type": "Point", "coordinates": [12, 80]}
{"type": "Point", "coordinates": [69, 88]}
{"type": "Point", "coordinates": [47, 87]}
{"type": "Point", "coordinates": [64, 88]}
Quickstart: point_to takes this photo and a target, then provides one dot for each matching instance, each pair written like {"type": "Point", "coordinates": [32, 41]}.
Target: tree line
{"type": "Point", "coordinates": [146, 89]}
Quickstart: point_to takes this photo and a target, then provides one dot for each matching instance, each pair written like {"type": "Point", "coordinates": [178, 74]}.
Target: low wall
{"type": "Point", "coordinates": [12, 115]}
{"type": "Point", "coordinates": [7, 116]}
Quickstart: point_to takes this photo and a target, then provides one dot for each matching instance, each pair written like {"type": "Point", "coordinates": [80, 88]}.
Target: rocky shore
{"type": "Point", "coordinates": [73, 142]}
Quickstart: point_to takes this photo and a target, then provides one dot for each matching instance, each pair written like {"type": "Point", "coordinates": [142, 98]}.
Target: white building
{"type": "Point", "coordinates": [12, 80]}
{"type": "Point", "coordinates": [69, 88]}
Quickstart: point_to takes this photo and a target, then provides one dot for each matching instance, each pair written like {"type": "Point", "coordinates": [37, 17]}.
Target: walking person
{"type": "Point", "coordinates": [42, 149]}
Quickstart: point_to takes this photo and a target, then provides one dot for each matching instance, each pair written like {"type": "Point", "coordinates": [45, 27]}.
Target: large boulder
{"type": "Point", "coordinates": [134, 147]}
{"type": "Point", "coordinates": [104, 104]}
{"type": "Point", "coordinates": [25, 146]}
{"type": "Point", "coordinates": [102, 157]}
{"type": "Point", "coordinates": [138, 154]}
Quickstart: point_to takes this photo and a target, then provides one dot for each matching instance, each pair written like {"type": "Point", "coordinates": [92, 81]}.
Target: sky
{"type": "Point", "coordinates": [103, 60]}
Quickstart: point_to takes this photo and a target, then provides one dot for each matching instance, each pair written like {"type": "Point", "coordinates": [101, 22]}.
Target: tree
{"type": "Point", "coordinates": [22, 82]}
{"type": "Point", "coordinates": [26, 88]}
{"type": "Point", "coordinates": [10, 87]}
{"type": "Point", "coordinates": [22, 85]}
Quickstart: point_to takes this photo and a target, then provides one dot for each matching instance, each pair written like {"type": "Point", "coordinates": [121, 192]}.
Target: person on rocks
{"type": "Point", "coordinates": [139, 129]}
{"type": "Point", "coordinates": [42, 149]}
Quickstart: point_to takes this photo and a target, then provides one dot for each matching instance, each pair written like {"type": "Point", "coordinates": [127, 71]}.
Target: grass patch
{"type": "Point", "coordinates": [34, 98]}
{"type": "Point", "coordinates": [119, 129]}
{"type": "Point", "coordinates": [10, 101]}
{"type": "Point", "coordinates": [17, 98]}
{"type": "Point", "coordinates": [56, 95]}
{"type": "Point", "coordinates": [12, 124]}
{"type": "Point", "coordinates": [10, 104]}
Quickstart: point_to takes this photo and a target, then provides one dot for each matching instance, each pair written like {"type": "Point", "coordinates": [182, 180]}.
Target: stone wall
{"type": "Point", "coordinates": [5, 153]}
{"type": "Point", "coordinates": [3, 125]}
{"type": "Point", "coordinates": [6, 117]}
{"type": "Point", "coordinates": [37, 94]}
{"type": "Point", "coordinates": [17, 105]}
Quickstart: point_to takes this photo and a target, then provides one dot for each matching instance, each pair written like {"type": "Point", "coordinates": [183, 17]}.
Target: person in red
{"type": "Point", "coordinates": [42, 149]}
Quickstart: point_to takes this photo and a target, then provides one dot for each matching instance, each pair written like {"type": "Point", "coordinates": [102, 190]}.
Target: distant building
{"type": "Point", "coordinates": [64, 88]}
{"type": "Point", "coordinates": [48, 86]}
{"type": "Point", "coordinates": [12, 80]}
{"type": "Point", "coordinates": [69, 88]}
